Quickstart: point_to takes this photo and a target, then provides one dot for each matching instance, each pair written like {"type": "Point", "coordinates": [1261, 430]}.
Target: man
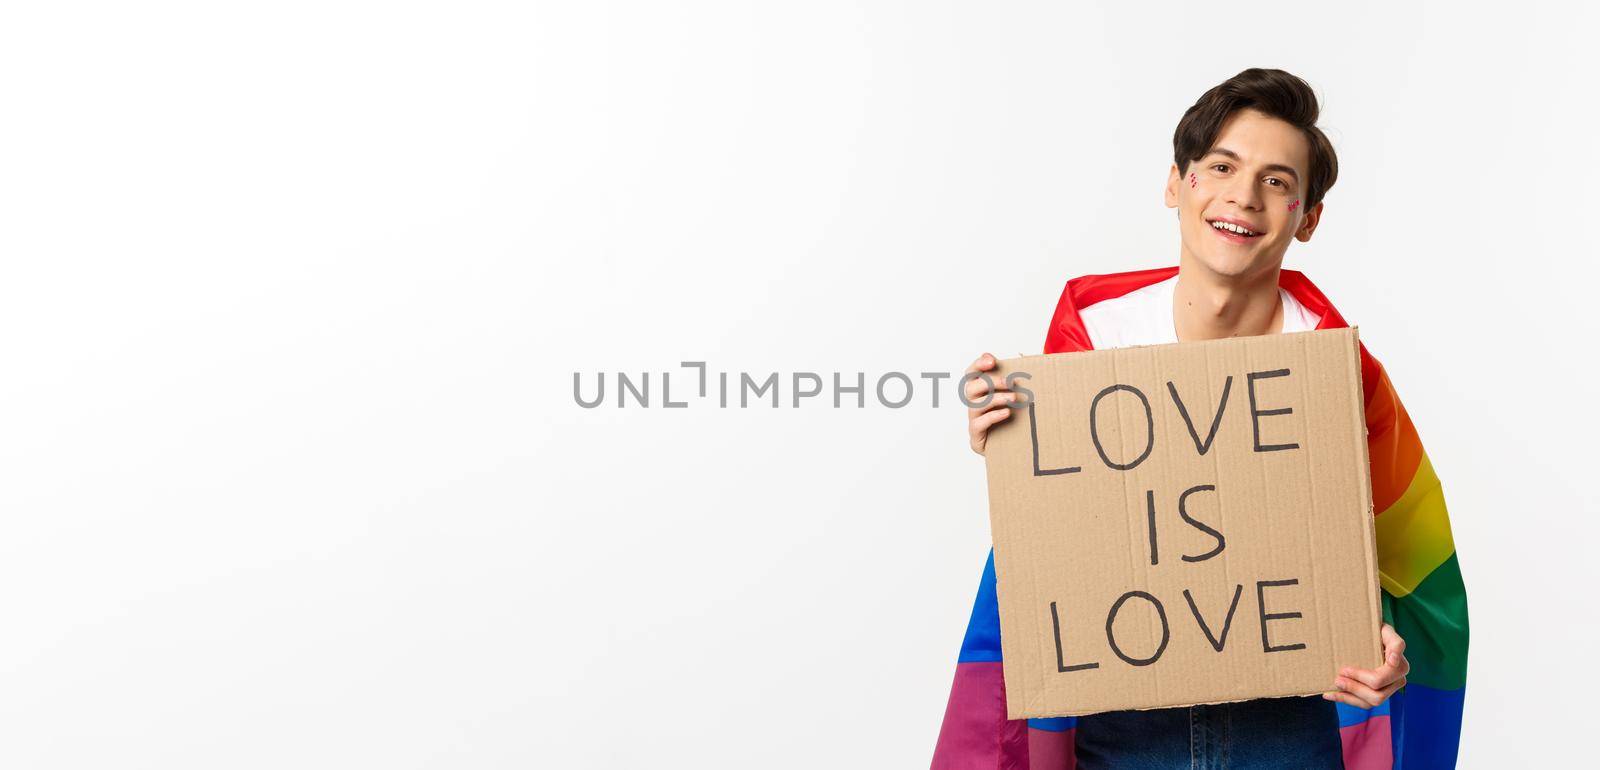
{"type": "Point", "coordinates": [1250, 169]}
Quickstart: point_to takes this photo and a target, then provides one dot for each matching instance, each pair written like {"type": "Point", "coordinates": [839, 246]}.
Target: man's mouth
{"type": "Point", "coordinates": [1233, 230]}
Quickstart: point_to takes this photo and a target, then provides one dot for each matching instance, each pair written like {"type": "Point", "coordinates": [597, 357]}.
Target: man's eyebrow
{"type": "Point", "coordinates": [1278, 167]}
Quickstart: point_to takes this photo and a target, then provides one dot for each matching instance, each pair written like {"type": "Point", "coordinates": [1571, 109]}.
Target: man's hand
{"type": "Point", "coordinates": [1369, 688]}
{"type": "Point", "coordinates": [979, 421]}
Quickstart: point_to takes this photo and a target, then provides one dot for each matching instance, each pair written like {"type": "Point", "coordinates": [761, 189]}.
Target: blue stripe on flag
{"type": "Point", "coordinates": [982, 643]}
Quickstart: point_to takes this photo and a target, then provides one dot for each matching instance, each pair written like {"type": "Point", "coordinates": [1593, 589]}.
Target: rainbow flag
{"type": "Point", "coordinates": [1423, 596]}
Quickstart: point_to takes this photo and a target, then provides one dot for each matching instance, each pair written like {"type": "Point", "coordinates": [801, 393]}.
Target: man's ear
{"type": "Point", "coordinates": [1174, 178]}
{"type": "Point", "coordinates": [1309, 224]}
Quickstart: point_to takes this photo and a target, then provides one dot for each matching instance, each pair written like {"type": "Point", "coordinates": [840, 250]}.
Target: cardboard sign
{"type": "Point", "coordinates": [1183, 524]}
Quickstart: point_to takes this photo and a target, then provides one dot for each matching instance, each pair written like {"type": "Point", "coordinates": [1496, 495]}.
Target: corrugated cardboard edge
{"type": "Point", "coordinates": [1371, 530]}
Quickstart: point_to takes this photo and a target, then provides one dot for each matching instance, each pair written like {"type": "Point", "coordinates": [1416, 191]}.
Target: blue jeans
{"type": "Point", "coordinates": [1268, 733]}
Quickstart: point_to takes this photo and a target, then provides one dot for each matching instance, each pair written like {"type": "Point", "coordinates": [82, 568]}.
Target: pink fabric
{"type": "Point", "coordinates": [1367, 745]}
{"type": "Point", "coordinates": [976, 734]}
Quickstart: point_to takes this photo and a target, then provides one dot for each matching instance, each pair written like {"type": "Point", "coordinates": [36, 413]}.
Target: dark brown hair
{"type": "Point", "coordinates": [1273, 92]}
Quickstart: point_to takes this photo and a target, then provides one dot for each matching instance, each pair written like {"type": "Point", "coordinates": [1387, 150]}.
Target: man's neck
{"type": "Point", "coordinates": [1207, 306]}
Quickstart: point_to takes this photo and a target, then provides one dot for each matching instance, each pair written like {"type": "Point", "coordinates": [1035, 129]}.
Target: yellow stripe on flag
{"type": "Point", "coordinates": [1414, 533]}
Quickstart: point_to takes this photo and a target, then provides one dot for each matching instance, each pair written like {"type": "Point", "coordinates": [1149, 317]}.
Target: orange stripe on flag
{"type": "Point", "coordinates": [1392, 444]}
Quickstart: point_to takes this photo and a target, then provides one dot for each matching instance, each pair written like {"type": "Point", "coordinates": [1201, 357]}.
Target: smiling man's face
{"type": "Point", "coordinates": [1241, 203]}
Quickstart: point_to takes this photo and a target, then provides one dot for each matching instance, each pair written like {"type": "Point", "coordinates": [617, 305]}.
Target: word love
{"type": "Point", "coordinates": [1201, 446]}
{"type": "Point", "coordinates": [1218, 640]}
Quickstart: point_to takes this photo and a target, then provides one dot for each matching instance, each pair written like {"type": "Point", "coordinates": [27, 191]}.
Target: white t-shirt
{"type": "Point", "coordinates": [1144, 317]}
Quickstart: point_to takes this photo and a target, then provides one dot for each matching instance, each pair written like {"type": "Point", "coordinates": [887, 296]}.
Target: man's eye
{"type": "Point", "coordinates": [1220, 167]}
{"type": "Point", "coordinates": [1274, 181]}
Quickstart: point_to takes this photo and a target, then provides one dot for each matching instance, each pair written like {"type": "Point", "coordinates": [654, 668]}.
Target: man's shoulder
{"type": "Point", "coordinates": [1142, 316]}
{"type": "Point", "coordinates": [1089, 290]}
{"type": "Point", "coordinates": [1091, 305]}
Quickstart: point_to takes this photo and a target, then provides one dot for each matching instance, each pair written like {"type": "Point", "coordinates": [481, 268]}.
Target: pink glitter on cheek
{"type": "Point", "coordinates": [1294, 205]}
{"type": "Point", "coordinates": [1193, 181]}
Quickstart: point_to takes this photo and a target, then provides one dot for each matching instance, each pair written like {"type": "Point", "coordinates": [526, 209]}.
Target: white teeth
{"type": "Point", "coordinates": [1232, 228]}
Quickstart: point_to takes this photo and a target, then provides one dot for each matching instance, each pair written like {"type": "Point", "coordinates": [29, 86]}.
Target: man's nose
{"type": "Point", "coordinates": [1243, 193]}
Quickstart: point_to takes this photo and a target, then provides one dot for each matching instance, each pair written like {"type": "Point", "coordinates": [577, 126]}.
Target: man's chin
{"type": "Point", "coordinates": [1237, 264]}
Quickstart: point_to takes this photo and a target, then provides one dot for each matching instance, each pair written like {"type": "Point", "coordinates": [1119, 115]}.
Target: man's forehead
{"type": "Point", "coordinates": [1251, 137]}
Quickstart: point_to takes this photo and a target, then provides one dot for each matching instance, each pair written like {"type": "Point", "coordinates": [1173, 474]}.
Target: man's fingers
{"type": "Point", "coordinates": [988, 401]}
{"type": "Point", "coordinates": [978, 427]}
{"type": "Point", "coordinates": [1363, 703]}
{"type": "Point", "coordinates": [981, 420]}
{"type": "Point", "coordinates": [1370, 696]}
{"type": "Point", "coordinates": [975, 388]}
{"type": "Point", "coordinates": [1392, 643]}
{"type": "Point", "coordinates": [1376, 678]}
{"type": "Point", "coordinates": [1394, 650]}
{"type": "Point", "coordinates": [1004, 398]}
{"type": "Point", "coordinates": [984, 421]}
{"type": "Point", "coordinates": [1369, 688]}
{"type": "Point", "coordinates": [1000, 403]}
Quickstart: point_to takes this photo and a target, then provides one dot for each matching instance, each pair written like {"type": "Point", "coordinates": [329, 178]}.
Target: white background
{"type": "Point", "coordinates": [290, 470]}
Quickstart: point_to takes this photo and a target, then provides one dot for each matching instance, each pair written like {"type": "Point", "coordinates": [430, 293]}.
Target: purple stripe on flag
{"type": "Point", "coordinates": [976, 732]}
{"type": "Point", "coordinates": [1051, 749]}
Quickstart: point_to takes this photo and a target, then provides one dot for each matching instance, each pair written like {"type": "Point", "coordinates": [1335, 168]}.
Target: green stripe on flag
{"type": "Point", "coordinates": [1433, 621]}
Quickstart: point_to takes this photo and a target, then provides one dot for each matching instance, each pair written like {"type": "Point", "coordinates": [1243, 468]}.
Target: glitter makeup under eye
{"type": "Point", "coordinates": [1193, 181]}
{"type": "Point", "coordinates": [1294, 205]}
